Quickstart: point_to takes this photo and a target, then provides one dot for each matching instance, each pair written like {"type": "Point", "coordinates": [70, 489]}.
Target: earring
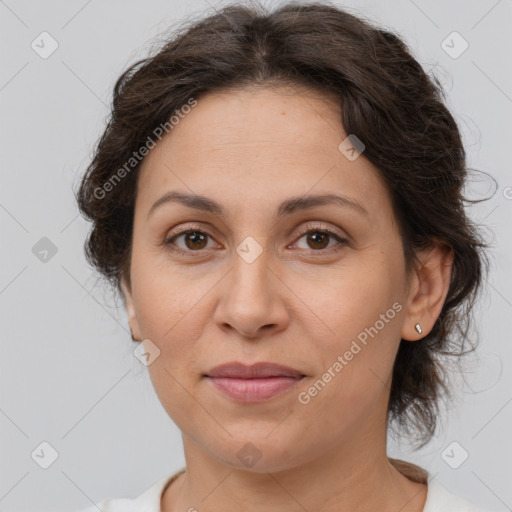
{"type": "Point", "coordinates": [133, 339]}
{"type": "Point", "coordinates": [418, 328]}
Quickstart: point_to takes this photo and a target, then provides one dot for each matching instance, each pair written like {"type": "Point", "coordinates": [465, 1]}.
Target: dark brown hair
{"type": "Point", "coordinates": [388, 101]}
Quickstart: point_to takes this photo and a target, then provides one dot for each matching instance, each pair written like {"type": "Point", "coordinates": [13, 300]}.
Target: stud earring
{"type": "Point", "coordinates": [418, 328]}
{"type": "Point", "coordinates": [133, 338]}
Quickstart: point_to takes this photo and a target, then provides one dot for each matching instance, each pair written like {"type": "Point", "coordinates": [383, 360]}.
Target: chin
{"type": "Point", "coordinates": [257, 451]}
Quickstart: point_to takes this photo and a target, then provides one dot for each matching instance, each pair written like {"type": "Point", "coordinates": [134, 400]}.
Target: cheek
{"type": "Point", "coordinates": [173, 320]}
{"type": "Point", "coordinates": [169, 301]}
{"type": "Point", "coordinates": [176, 394]}
{"type": "Point", "coordinates": [356, 362]}
{"type": "Point", "coordinates": [348, 301]}
{"type": "Point", "coordinates": [360, 322]}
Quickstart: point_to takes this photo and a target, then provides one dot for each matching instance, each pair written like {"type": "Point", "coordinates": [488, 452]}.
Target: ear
{"type": "Point", "coordinates": [428, 289]}
{"type": "Point", "coordinates": [126, 289]}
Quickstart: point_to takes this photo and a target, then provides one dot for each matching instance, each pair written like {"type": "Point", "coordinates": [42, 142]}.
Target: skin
{"type": "Point", "coordinates": [300, 303]}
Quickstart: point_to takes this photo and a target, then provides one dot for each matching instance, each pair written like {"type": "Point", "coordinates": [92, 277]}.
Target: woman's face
{"type": "Point", "coordinates": [252, 286]}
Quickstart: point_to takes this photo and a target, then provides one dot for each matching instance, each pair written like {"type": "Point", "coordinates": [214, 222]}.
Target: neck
{"type": "Point", "coordinates": [351, 478]}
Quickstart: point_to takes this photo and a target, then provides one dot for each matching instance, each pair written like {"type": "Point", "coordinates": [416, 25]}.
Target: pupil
{"type": "Point", "coordinates": [196, 237]}
{"type": "Point", "coordinates": [315, 240]}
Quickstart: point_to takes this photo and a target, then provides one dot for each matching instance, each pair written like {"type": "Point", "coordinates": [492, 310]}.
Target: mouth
{"type": "Point", "coordinates": [252, 384]}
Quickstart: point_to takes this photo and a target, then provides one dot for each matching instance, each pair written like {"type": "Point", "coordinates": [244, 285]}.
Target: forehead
{"type": "Point", "coordinates": [223, 120]}
{"type": "Point", "coordinates": [262, 145]}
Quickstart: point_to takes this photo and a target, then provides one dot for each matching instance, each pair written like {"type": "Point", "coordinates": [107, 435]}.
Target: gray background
{"type": "Point", "coordinates": [68, 375]}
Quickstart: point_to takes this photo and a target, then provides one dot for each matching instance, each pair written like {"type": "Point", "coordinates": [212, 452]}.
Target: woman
{"type": "Point", "coordinates": [277, 197]}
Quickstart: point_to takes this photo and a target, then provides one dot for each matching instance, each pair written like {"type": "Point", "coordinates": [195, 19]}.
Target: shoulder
{"type": "Point", "coordinates": [439, 499]}
{"type": "Point", "coordinates": [148, 501]}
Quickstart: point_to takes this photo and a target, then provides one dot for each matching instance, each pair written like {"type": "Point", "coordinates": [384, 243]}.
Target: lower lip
{"type": "Point", "coordinates": [254, 390]}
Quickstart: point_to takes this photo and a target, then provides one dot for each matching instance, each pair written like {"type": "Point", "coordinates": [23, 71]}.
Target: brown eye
{"type": "Point", "coordinates": [191, 241]}
{"type": "Point", "coordinates": [318, 240]}
{"type": "Point", "coordinates": [195, 240]}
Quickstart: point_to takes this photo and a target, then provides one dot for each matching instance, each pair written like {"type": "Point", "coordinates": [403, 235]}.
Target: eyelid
{"type": "Point", "coordinates": [306, 227]}
{"type": "Point", "coordinates": [318, 226]}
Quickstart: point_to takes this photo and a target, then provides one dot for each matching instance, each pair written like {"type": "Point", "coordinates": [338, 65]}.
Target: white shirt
{"type": "Point", "coordinates": [439, 499]}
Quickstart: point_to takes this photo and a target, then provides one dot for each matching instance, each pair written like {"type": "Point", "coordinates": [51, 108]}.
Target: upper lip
{"type": "Point", "coordinates": [261, 370]}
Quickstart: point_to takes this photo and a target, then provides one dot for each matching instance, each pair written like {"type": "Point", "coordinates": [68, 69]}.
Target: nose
{"type": "Point", "coordinates": [253, 299]}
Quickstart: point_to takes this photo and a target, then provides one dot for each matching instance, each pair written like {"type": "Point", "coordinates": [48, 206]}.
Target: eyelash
{"type": "Point", "coordinates": [168, 242]}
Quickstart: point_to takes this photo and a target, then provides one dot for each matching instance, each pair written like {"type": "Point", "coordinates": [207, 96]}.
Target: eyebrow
{"type": "Point", "coordinates": [291, 205]}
